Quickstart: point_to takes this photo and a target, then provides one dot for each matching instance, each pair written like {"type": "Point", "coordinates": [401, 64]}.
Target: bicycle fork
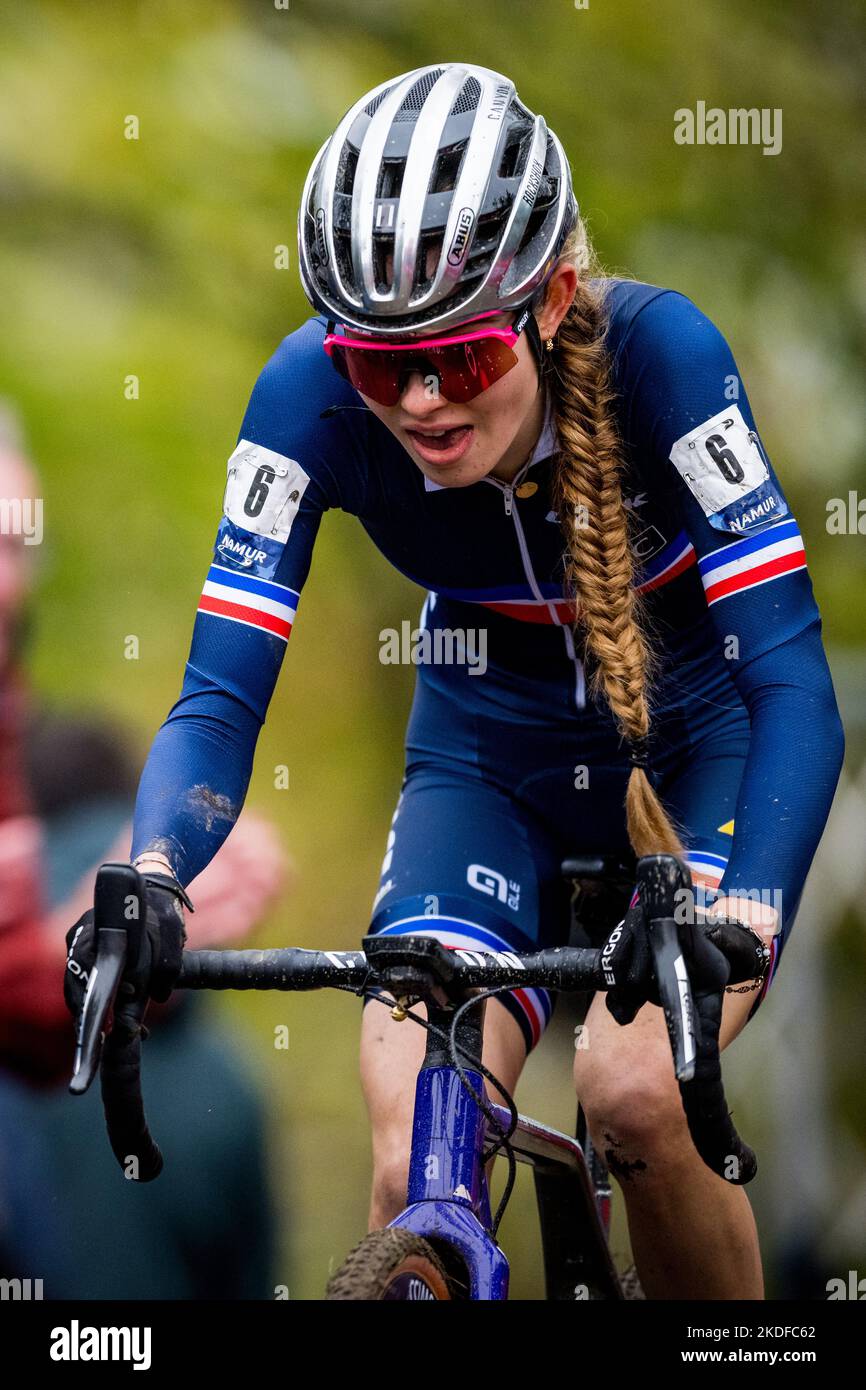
{"type": "Point", "coordinates": [448, 1198]}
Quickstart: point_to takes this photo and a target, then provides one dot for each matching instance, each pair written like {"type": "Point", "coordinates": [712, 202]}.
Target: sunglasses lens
{"type": "Point", "coordinates": [463, 370]}
{"type": "Point", "coordinates": [467, 369]}
{"type": "Point", "coordinates": [374, 374]}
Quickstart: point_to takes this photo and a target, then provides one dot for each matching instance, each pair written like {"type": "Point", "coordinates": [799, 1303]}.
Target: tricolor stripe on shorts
{"type": "Point", "coordinates": [532, 1007]}
{"type": "Point", "coordinates": [752, 561]}
{"type": "Point", "coordinates": [241, 598]}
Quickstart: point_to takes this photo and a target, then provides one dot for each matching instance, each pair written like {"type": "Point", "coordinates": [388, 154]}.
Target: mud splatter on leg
{"type": "Point", "coordinates": [623, 1168]}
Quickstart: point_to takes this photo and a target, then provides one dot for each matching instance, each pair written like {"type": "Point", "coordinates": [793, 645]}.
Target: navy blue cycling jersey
{"type": "Point", "coordinates": [728, 600]}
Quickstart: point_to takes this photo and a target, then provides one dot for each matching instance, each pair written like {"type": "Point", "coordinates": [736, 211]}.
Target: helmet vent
{"type": "Point", "coordinates": [373, 106]}
{"type": "Point", "coordinates": [469, 97]}
{"type": "Point", "coordinates": [425, 264]}
{"type": "Point", "coordinates": [447, 168]}
{"type": "Point", "coordinates": [383, 263]}
{"type": "Point", "coordinates": [343, 250]}
{"type": "Point", "coordinates": [533, 227]}
{"type": "Point", "coordinates": [516, 148]}
{"type": "Point", "coordinates": [346, 173]}
{"type": "Point", "coordinates": [391, 178]}
{"type": "Point", "coordinates": [417, 95]}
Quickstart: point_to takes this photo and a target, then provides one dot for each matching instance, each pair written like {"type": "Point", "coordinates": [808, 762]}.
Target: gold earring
{"type": "Point", "coordinates": [549, 344]}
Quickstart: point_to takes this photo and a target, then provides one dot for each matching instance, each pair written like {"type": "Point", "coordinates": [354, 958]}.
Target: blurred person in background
{"type": "Point", "coordinates": [66, 1216]}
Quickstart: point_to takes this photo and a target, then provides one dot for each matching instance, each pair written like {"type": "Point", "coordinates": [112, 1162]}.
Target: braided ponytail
{"type": "Point", "coordinates": [599, 569]}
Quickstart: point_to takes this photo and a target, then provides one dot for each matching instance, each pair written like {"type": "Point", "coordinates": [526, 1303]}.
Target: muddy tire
{"type": "Point", "coordinates": [390, 1264]}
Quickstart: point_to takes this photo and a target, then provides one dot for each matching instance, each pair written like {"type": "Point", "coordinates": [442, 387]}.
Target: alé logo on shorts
{"type": "Point", "coordinates": [494, 884]}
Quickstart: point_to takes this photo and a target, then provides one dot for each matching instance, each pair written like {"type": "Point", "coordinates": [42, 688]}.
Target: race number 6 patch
{"type": "Point", "coordinates": [722, 464]}
{"type": "Point", "coordinates": [263, 491]}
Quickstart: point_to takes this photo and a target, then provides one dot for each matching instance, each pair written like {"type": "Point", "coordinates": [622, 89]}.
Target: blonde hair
{"type": "Point", "coordinates": [599, 567]}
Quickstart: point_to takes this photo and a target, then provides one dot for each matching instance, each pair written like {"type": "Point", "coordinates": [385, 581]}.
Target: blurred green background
{"type": "Point", "coordinates": [155, 257]}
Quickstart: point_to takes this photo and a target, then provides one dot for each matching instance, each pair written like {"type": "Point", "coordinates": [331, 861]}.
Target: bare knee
{"type": "Point", "coordinates": [634, 1113]}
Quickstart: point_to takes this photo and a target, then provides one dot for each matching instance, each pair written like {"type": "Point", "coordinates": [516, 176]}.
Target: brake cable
{"type": "Point", "coordinates": [480, 1100]}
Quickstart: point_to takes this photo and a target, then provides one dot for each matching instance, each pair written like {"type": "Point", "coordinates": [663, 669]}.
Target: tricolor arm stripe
{"type": "Point", "coordinates": [748, 544]}
{"type": "Point", "coordinates": [267, 588]}
{"type": "Point", "coordinates": [753, 561]}
{"type": "Point", "coordinates": [253, 602]}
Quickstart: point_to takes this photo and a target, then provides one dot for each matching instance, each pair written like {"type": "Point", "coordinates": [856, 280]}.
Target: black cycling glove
{"type": "Point", "coordinates": [723, 950]}
{"type": "Point", "coordinates": [154, 974]}
{"type": "Point", "coordinates": [627, 963]}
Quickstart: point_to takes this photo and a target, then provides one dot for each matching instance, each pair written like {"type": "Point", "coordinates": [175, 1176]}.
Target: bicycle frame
{"type": "Point", "coordinates": [448, 1198]}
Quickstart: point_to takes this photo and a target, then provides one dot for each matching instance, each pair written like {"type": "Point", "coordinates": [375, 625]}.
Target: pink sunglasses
{"type": "Point", "coordinates": [464, 364]}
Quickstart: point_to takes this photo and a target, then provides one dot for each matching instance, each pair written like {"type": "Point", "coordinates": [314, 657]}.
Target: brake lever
{"type": "Point", "coordinates": [675, 992]}
{"type": "Point", "coordinates": [661, 877]}
{"type": "Point", "coordinates": [691, 974]}
{"type": "Point", "coordinates": [117, 899]}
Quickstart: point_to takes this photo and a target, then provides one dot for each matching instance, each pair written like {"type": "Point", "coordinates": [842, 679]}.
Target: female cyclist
{"type": "Point", "coordinates": [568, 464]}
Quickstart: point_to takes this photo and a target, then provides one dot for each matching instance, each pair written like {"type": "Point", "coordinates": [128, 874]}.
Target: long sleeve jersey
{"type": "Point", "coordinates": [720, 562]}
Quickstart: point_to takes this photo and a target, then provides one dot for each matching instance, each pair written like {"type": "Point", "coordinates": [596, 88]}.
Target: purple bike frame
{"type": "Point", "coordinates": [449, 1203]}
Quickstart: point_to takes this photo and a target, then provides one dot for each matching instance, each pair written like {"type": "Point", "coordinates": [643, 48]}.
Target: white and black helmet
{"type": "Point", "coordinates": [446, 157]}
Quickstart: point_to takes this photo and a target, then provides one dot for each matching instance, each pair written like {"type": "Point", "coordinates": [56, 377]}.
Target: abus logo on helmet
{"type": "Point", "coordinates": [465, 223]}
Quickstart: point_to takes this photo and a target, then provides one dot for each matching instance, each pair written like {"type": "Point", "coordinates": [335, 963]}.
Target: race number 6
{"type": "Point", "coordinates": [259, 489]}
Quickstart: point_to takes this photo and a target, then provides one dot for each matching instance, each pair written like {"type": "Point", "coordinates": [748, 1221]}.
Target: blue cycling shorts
{"type": "Point", "coordinates": [493, 800]}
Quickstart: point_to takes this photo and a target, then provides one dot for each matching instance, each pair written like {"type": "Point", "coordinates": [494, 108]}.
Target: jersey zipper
{"type": "Point", "coordinates": [507, 490]}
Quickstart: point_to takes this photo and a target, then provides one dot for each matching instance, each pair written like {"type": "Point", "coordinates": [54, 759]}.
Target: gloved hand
{"type": "Point", "coordinates": [154, 973]}
{"type": "Point", "coordinates": [723, 949]}
{"type": "Point", "coordinates": [627, 963]}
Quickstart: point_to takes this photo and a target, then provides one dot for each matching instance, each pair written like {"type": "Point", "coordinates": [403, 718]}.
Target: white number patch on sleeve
{"type": "Point", "coordinates": [264, 490]}
{"type": "Point", "coordinates": [720, 460]}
